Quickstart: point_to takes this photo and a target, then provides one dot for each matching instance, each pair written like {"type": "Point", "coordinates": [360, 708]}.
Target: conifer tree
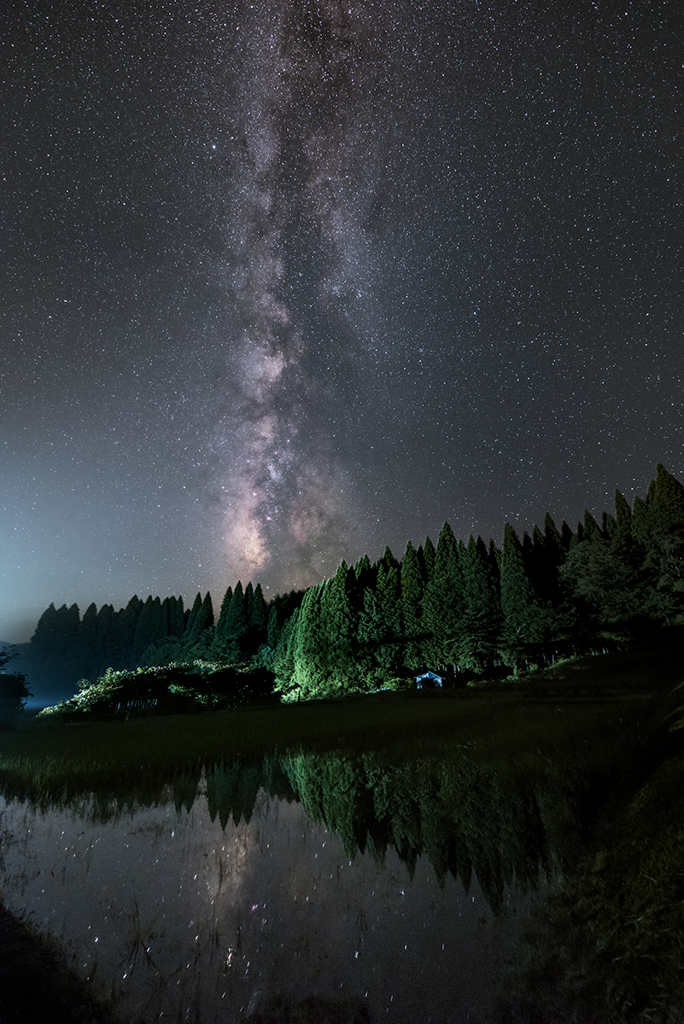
{"type": "Point", "coordinates": [519, 604]}
{"type": "Point", "coordinates": [370, 639]}
{"type": "Point", "coordinates": [664, 560]}
{"type": "Point", "coordinates": [388, 561]}
{"type": "Point", "coordinates": [63, 661]}
{"type": "Point", "coordinates": [623, 514]}
{"type": "Point", "coordinates": [87, 648]}
{"type": "Point", "coordinates": [194, 612]}
{"type": "Point", "coordinates": [309, 645]}
{"type": "Point", "coordinates": [340, 629]}
{"type": "Point", "coordinates": [666, 506]}
{"type": "Point", "coordinates": [125, 625]}
{"type": "Point", "coordinates": [264, 657]}
{"type": "Point", "coordinates": [203, 622]}
{"type": "Point", "coordinates": [556, 547]}
{"type": "Point", "coordinates": [257, 617]}
{"type": "Point", "coordinates": [48, 648]}
{"type": "Point", "coordinates": [640, 522]}
{"type": "Point", "coordinates": [591, 529]}
{"type": "Point", "coordinates": [235, 627]}
{"type": "Point", "coordinates": [149, 630]}
{"type": "Point", "coordinates": [412, 586]}
{"type": "Point", "coordinates": [429, 556]}
{"type": "Point", "coordinates": [105, 640]}
{"type": "Point", "coordinates": [284, 658]}
{"type": "Point", "coordinates": [443, 601]}
{"type": "Point", "coordinates": [363, 572]}
{"type": "Point", "coordinates": [382, 631]}
{"type": "Point", "coordinates": [608, 525]}
{"type": "Point", "coordinates": [236, 620]}
{"type": "Point", "coordinates": [606, 573]}
{"type": "Point", "coordinates": [223, 613]}
{"type": "Point", "coordinates": [567, 536]}
{"type": "Point", "coordinates": [273, 628]}
{"type": "Point", "coordinates": [478, 630]}
{"type": "Point", "coordinates": [176, 617]}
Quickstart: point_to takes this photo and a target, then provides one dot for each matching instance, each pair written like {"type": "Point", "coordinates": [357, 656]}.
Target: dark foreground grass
{"type": "Point", "coordinates": [134, 760]}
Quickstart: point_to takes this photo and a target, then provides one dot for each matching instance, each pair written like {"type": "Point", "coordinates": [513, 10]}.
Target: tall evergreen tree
{"type": "Point", "coordinates": [429, 556]}
{"type": "Point", "coordinates": [257, 617]}
{"type": "Point", "coordinates": [105, 640]}
{"type": "Point", "coordinates": [309, 646]}
{"type": "Point", "coordinates": [274, 627]}
{"type": "Point", "coordinates": [388, 561]}
{"type": "Point", "coordinates": [623, 514]}
{"type": "Point", "coordinates": [203, 622]}
{"type": "Point", "coordinates": [606, 573]}
{"type": "Point", "coordinates": [176, 618]}
{"type": "Point", "coordinates": [236, 620]}
{"type": "Point", "coordinates": [380, 627]}
{"type": "Point", "coordinates": [223, 613]}
{"type": "Point", "coordinates": [149, 630]}
{"type": "Point", "coordinates": [363, 571]}
{"type": "Point", "coordinates": [519, 604]}
{"type": "Point", "coordinates": [640, 526]}
{"type": "Point", "coordinates": [284, 657]}
{"type": "Point", "coordinates": [194, 612]}
{"type": "Point", "coordinates": [87, 646]}
{"type": "Point", "coordinates": [480, 624]}
{"type": "Point", "coordinates": [198, 638]}
{"type": "Point", "coordinates": [125, 624]}
{"type": "Point", "coordinates": [340, 630]}
{"type": "Point", "coordinates": [443, 601]}
{"type": "Point", "coordinates": [664, 560]}
{"type": "Point", "coordinates": [666, 506]}
{"type": "Point", "coordinates": [412, 586]}
{"type": "Point", "coordinates": [591, 528]}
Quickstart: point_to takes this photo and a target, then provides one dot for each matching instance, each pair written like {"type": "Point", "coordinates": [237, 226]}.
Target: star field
{"type": "Point", "coordinates": [285, 282]}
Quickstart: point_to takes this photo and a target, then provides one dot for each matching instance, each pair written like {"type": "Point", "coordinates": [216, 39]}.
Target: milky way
{"type": "Point", "coordinates": [285, 282]}
{"type": "Point", "coordinates": [301, 162]}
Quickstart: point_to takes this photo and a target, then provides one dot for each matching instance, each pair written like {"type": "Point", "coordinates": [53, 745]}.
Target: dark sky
{"type": "Point", "coordinates": [283, 282]}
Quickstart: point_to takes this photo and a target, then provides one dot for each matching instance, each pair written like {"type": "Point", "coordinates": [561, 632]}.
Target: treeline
{"type": "Point", "coordinates": [66, 648]}
{"type": "Point", "coordinates": [467, 609]}
{"type": "Point", "coordinates": [478, 609]}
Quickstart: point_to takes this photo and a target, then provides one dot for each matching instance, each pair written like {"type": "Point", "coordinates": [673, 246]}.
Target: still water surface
{"type": "Point", "coordinates": [343, 878]}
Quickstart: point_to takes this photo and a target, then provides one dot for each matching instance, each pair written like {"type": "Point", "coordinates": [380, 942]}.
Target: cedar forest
{"type": "Point", "coordinates": [470, 610]}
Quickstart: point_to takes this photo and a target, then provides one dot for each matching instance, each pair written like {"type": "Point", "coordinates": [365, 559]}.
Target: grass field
{"type": "Point", "coordinates": [585, 706]}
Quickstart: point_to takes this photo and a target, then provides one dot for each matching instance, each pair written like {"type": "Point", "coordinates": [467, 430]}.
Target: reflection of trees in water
{"type": "Point", "coordinates": [232, 787]}
{"type": "Point", "coordinates": [457, 813]}
{"type": "Point", "coordinates": [465, 816]}
{"type": "Point", "coordinates": [462, 813]}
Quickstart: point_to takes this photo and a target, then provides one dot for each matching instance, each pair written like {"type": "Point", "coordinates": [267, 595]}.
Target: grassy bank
{"type": "Point", "coordinates": [135, 759]}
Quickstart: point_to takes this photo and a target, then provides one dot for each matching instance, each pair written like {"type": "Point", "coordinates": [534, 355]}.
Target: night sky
{"type": "Point", "coordinates": [284, 282]}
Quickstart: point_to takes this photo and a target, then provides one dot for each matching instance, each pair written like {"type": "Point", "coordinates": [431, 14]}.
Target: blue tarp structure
{"type": "Point", "coordinates": [429, 679]}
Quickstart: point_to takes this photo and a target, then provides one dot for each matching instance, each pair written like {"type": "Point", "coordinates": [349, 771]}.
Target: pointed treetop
{"type": "Point", "coordinates": [623, 513]}
{"type": "Point", "coordinates": [446, 540]}
{"type": "Point", "coordinates": [667, 505]}
{"type": "Point", "coordinates": [362, 566]}
{"type": "Point", "coordinates": [592, 530]}
{"type": "Point", "coordinates": [429, 555]}
{"type": "Point", "coordinates": [510, 538]}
